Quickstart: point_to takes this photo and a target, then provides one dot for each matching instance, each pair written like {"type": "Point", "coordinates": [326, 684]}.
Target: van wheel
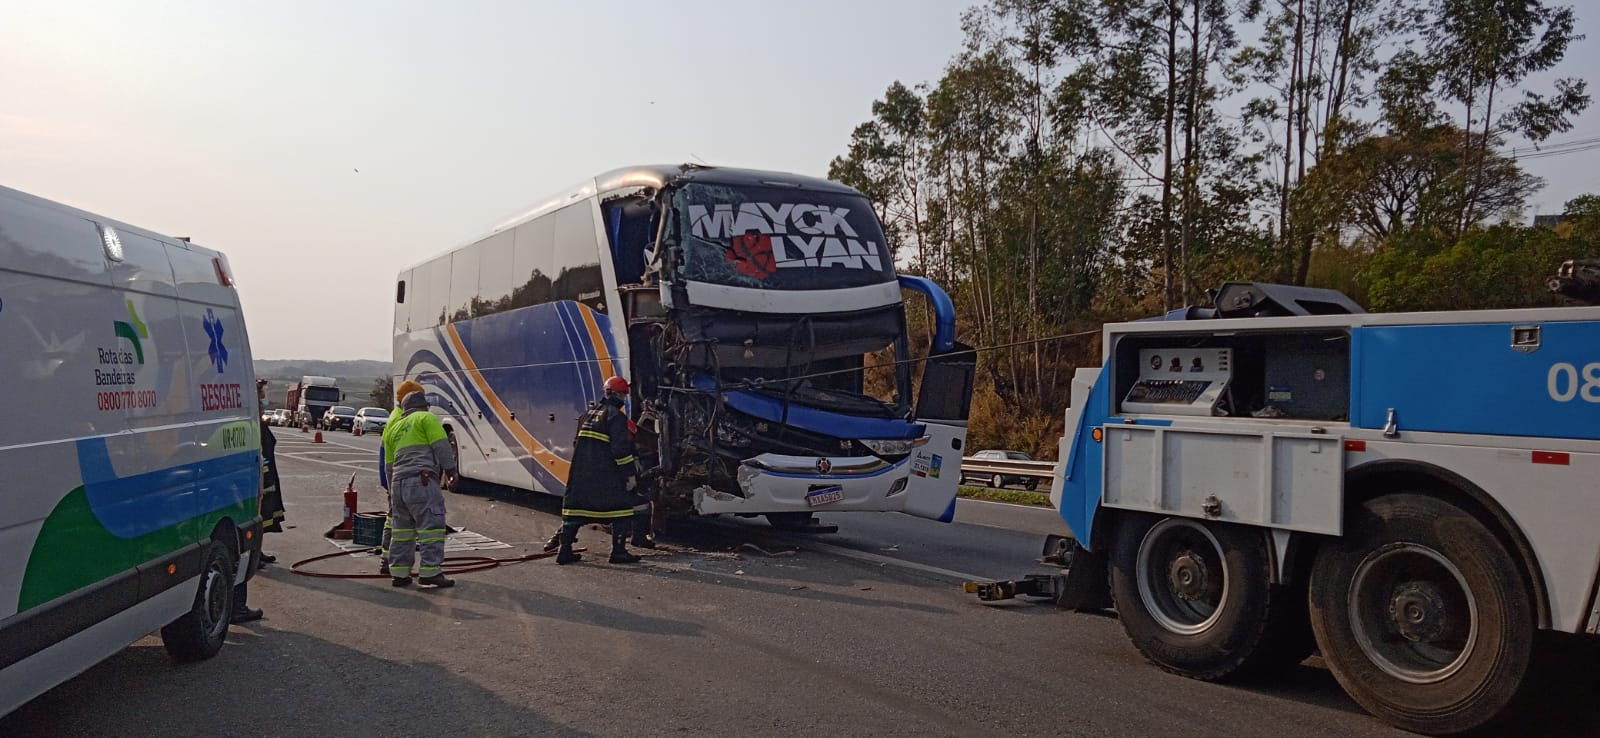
{"type": "Point", "coordinates": [452, 482]}
{"type": "Point", "coordinates": [1196, 598]}
{"type": "Point", "coordinates": [199, 633]}
{"type": "Point", "coordinates": [1422, 614]}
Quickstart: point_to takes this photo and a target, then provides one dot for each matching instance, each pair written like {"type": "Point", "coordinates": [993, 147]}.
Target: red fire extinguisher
{"type": "Point", "coordinates": [350, 503]}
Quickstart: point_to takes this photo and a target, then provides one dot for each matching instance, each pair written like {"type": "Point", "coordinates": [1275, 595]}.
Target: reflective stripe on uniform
{"type": "Point", "coordinates": [568, 512]}
{"type": "Point", "coordinates": [428, 570]}
{"type": "Point", "coordinates": [626, 460]}
{"type": "Point", "coordinates": [596, 435]}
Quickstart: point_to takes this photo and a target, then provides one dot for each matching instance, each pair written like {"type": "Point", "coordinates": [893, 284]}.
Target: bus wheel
{"type": "Point", "coordinates": [1196, 597]}
{"type": "Point", "coordinates": [1422, 614]}
{"type": "Point", "coordinates": [452, 482]}
{"type": "Point", "coordinates": [199, 633]}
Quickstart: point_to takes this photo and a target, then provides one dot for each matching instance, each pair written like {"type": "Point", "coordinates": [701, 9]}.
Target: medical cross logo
{"type": "Point", "coordinates": [218, 351]}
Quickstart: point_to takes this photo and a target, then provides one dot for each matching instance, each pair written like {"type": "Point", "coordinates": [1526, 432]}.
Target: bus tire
{"type": "Point", "coordinates": [1422, 614]}
{"type": "Point", "coordinates": [452, 482]}
{"type": "Point", "coordinates": [1196, 597]}
{"type": "Point", "coordinates": [198, 634]}
{"type": "Point", "coordinates": [790, 520]}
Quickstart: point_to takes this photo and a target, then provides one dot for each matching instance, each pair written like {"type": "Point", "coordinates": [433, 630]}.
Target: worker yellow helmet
{"type": "Point", "coordinates": [406, 388]}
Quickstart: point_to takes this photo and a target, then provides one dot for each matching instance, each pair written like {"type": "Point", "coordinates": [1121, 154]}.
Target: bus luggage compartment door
{"type": "Point", "coordinates": [935, 473]}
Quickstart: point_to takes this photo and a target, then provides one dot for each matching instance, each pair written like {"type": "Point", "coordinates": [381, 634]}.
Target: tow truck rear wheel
{"type": "Point", "coordinates": [1196, 598]}
{"type": "Point", "coordinates": [1422, 614]}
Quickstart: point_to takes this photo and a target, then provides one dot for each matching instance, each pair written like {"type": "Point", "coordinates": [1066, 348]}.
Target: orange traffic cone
{"type": "Point", "coordinates": [305, 427]}
{"type": "Point", "coordinates": [357, 430]}
{"type": "Point", "coordinates": [317, 438]}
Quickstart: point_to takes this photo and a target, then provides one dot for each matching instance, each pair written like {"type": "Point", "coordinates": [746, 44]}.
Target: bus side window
{"type": "Point", "coordinates": [496, 275]}
{"type": "Point", "coordinates": [531, 259]}
{"type": "Point", "coordinates": [578, 275]}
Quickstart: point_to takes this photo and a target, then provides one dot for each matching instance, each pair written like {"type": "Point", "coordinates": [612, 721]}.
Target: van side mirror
{"type": "Point", "coordinates": [400, 292]}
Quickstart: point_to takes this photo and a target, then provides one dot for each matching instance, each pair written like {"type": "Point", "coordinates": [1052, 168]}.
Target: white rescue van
{"type": "Point", "coordinates": [130, 455]}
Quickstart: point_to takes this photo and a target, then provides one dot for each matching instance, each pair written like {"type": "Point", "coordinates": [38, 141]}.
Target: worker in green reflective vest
{"type": "Point", "coordinates": [416, 456]}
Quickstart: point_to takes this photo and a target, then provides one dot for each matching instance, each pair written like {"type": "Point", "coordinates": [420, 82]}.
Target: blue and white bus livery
{"type": "Point", "coordinates": [740, 305]}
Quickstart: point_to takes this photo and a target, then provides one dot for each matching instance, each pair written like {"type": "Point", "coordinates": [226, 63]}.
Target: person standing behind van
{"type": "Point", "coordinates": [417, 454]}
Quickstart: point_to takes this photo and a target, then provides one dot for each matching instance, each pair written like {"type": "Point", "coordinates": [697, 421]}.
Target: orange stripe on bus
{"type": "Point", "coordinates": [602, 353]}
{"type": "Point", "coordinates": [547, 458]}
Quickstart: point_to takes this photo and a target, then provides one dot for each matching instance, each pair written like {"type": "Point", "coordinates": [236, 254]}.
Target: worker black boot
{"type": "Point", "coordinates": [438, 580]}
{"type": "Point", "coordinates": [619, 544]}
{"type": "Point", "coordinates": [641, 531]}
{"type": "Point", "coordinates": [567, 535]}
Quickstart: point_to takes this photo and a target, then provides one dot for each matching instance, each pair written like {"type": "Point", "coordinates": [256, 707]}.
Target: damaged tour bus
{"type": "Point", "coordinates": [742, 306]}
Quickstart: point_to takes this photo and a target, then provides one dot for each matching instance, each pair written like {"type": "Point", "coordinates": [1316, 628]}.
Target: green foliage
{"type": "Point", "coordinates": [1013, 496]}
{"type": "Point", "coordinates": [1077, 162]}
{"type": "Point", "coordinates": [382, 394]}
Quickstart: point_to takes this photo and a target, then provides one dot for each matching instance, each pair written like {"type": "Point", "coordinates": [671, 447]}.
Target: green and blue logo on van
{"type": "Point", "coordinates": [133, 329]}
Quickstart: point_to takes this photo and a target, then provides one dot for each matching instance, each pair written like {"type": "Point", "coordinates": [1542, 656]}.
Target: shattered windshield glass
{"type": "Point", "coordinates": [778, 238]}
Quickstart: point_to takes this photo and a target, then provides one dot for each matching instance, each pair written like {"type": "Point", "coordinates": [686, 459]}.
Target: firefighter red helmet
{"type": "Point", "coordinates": [617, 385]}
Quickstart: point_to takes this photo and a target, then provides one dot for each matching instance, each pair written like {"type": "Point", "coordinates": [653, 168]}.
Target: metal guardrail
{"type": "Point", "coordinates": [1008, 467]}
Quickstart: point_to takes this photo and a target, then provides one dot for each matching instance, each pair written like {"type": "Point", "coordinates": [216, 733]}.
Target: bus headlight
{"type": "Point", "coordinates": [893, 447]}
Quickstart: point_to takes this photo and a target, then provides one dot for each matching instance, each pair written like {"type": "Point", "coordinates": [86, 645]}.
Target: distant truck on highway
{"type": "Point", "coordinates": [1412, 494]}
{"type": "Point", "coordinates": [311, 397]}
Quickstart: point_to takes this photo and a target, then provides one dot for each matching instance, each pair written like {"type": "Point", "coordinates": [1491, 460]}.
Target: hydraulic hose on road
{"type": "Point", "coordinates": [452, 564]}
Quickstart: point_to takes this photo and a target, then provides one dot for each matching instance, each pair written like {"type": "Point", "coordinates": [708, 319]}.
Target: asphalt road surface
{"type": "Point", "coordinates": [731, 628]}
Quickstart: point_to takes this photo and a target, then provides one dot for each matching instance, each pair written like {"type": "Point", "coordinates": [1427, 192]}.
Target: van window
{"type": "Point", "coordinates": [463, 282]}
{"type": "Point", "coordinates": [578, 275]}
{"type": "Point", "coordinates": [495, 273]}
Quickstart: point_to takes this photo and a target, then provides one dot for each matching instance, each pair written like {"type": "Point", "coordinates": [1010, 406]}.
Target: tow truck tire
{"type": "Point", "coordinates": [199, 633]}
{"type": "Point", "coordinates": [1196, 598]}
{"type": "Point", "coordinates": [1423, 615]}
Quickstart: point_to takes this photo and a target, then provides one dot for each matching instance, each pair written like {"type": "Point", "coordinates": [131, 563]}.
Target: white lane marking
{"type": "Point", "coordinates": [350, 465]}
{"type": "Point", "coordinates": [851, 553]}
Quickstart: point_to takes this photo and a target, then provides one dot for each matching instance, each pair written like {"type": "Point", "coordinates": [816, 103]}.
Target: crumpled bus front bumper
{"type": "Point", "coordinates": [775, 483]}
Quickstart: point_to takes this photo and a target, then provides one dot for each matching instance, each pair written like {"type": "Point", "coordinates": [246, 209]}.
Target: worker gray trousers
{"type": "Point", "coordinates": [416, 520]}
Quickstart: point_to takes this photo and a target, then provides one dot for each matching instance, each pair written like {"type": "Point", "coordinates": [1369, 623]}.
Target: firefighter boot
{"type": "Point", "coordinates": [568, 534]}
{"type": "Point", "coordinates": [641, 530]}
{"type": "Point", "coordinates": [619, 544]}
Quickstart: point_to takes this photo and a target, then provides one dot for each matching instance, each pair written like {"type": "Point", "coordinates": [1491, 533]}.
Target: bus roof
{"type": "Point", "coordinates": [654, 175]}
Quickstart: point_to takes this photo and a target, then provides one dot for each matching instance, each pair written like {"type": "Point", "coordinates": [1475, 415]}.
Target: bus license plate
{"type": "Point", "coordinates": [824, 495]}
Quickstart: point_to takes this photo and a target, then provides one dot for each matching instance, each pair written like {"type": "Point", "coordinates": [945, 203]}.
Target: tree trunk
{"type": "Point", "coordinates": [1167, 299]}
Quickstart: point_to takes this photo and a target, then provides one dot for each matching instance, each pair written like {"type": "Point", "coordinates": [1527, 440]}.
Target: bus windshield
{"type": "Point", "coordinates": [777, 238]}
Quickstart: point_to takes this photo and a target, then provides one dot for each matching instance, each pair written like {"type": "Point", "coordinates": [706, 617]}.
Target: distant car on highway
{"type": "Point", "coordinates": [370, 419]}
{"type": "Point", "coordinates": [339, 416]}
{"type": "Point", "coordinates": [280, 417]}
{"type": "Point", "coordinates": [1000, 480]}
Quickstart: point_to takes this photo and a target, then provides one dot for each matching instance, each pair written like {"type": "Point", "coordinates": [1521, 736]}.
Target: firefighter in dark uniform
{"type": "Point", "coordinates": [602, 478]}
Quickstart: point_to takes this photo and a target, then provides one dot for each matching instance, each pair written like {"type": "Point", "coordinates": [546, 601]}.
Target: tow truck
{"type": "Point", "coordinates": [1414, 495]}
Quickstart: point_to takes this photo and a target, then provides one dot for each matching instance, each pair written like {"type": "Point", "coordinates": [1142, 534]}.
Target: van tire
{"type": "Point", "coordinates": [199, 633]}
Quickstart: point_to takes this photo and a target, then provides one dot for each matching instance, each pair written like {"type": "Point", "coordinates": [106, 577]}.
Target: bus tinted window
{"type": "Point", "coordinates": [577, 256]}
{"type": "Point", "coordinates": [531, 259]}
{"type": "Point", "coordinates": [495, 275]}
{"type": "Point", "coordinates": [435, 311]}
{"type": "Point", "coordinates": [463, 282]}
{"type": "Point", "coordinates": [775, 238]}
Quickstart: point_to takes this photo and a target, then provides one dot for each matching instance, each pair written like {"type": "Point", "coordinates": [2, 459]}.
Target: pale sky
{"type": "Point", "coordinates": [241, 124]}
